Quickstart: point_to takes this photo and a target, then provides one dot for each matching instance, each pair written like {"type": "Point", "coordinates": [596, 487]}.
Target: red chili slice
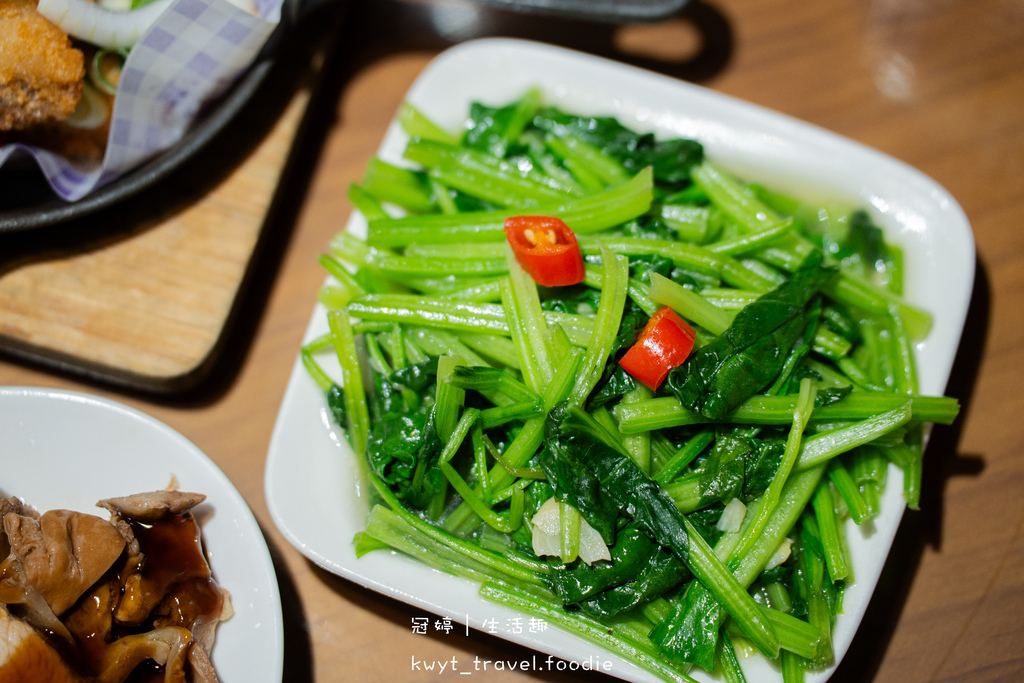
{"type": "Point", "coordinates": [546, 248]}
{"type": "Point", "coordinates": [664, 344]}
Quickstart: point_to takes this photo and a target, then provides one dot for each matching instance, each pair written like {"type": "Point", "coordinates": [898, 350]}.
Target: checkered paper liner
{"type": "Point", "coordinates": [193, 52]}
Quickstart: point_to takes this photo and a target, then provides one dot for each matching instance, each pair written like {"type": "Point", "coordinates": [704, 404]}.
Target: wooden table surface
{"type": "Point", "coordinates": [938, 84]}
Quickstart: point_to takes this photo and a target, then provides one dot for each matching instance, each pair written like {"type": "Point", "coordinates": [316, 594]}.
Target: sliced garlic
{"type": "Point", "coordinates": [547, 535]}
{"type": "Point", "coordinates": [732, 516]}
{"type": "Point", "coordinates": [780, 555]}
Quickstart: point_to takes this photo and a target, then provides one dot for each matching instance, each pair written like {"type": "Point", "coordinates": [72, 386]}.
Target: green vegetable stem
{"type": "Point", "coordinates": [674, 527]}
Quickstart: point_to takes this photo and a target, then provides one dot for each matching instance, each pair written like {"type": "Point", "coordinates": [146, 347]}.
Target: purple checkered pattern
{"type": "Point", "coordinates": [194, 51]}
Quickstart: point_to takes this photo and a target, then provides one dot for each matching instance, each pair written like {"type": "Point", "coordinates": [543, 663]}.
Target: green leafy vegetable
{"type": "Point", "coordinates": [506, 445]}
{"type": "Point", "coordinates": [748, 356]}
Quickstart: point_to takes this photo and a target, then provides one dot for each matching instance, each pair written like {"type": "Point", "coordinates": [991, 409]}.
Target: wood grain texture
{"type": "Point", "coordinates": [154, 305]}
{"type": "Point", "coordinates": [939, 85]}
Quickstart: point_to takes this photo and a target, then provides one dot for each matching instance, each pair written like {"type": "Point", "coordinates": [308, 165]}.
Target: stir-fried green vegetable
{"type": "Point", "coordinates": [678, 522]}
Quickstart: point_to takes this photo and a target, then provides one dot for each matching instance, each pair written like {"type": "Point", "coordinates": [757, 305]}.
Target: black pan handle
{"type": "Point", "coordinates": [611, 11]}
{"type": "Point", "coordinates": [293, 11]}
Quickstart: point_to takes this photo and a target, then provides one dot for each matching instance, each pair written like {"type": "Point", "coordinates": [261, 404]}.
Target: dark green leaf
{"type": "Point", "coordinates": [632, 552]}
{"type": "Point", "coordinates": [690, 632]}
{"type": "Point", "coordinates": [761, 465]}
{"type": "Point", "coordinates": [427, 478]}
{"type": "Point", "coordinates": [488, 128]}
{"type": "Point", "coordinates": [671, 159]}
{"type": "Point", "coordinates": [575, 445]}
{"type": "Point", "coordinates": [569, 299]}
{"type": "Point", "coordinates": [723, 475]}
{"type": "Point", "coordinates": [417, 377]}
{"type": "Point", "coordinates": [867, 241]}
{"type": "Point", "coordinates": [574, 482]}
{"type": "Point", "coordinates": [641, 267]}
{"type": "Point", "coordinates": [336, 404]}
{"type": "Point", "coordinates": [842, 323]}
{"type": "Point", "coordinates": [648, 227]}
{"type": "Point", "coordinates": [614, 380]}
{"type": "Point", "coordinates": [392, 448]}
{"type": "Point", "coordinates": [830, 395]}
{"type": "Point", "coordinates": [617, 383]}
{"type": "Point", "coordinates": [749, 355]}
{"type": "Point", "coordinates": [691, 194]}
{"type": "Point", "coordinates": [663, 572]}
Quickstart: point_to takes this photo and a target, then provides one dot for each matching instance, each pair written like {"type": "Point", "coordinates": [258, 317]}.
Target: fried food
{"type": "Point", "coordinates": [41, 73]}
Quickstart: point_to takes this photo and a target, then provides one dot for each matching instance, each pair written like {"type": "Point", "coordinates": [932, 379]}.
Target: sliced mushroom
{"type": "Point", "coordinates": [62, 553]}
{"type": "Point", "coordinates": [12, 504]}
{"type": "Point", "coordinates": [153, 506]}
{"type": "Point", "coordinates": [91, 620]}
{"type": "Point", "coordinates": [25, 655]}
{"type": "Point", "coordinates": [167, 646]}
{"type": "Point", "coordinates": [16, 592]}
{"type": "Point", "coordinates": [199, 605]}
{"type": "Point", "coordinates": [117, 593]}
{"type": "Point", "coordinates": [199, 654]}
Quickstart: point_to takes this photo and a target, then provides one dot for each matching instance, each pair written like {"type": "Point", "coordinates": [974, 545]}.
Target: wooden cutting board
{"type": "Point", "coordinates": [147, 308]}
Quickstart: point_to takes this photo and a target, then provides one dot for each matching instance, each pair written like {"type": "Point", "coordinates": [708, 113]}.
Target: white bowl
{"type": "Point", "coordinates": [312, 481]}
{"type": "Point", "coordinates": [67, 450]}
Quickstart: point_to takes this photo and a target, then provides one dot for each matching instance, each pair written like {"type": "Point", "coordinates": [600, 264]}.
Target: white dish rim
{"type": "Point", "coordinates": [741, 137]}
{"type": "Point", "coordinates": [250, 645]}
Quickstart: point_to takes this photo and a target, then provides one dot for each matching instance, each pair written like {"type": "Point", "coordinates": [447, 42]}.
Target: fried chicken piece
{"type": "Point", "coordinates": [41, 73]}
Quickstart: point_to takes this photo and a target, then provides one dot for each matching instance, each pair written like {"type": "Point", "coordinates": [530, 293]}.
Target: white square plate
{"type": "Point", "coordinates": [68, 450]}
{"type": "Point", "coordinates": [312, 481]}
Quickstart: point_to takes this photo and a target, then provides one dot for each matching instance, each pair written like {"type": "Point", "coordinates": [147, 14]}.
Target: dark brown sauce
{"type": "Point", "coordinates": [147, 672]}
{"type": "Point", "coordinates": [176, 579]}
{"type": "Point", "coordinates": [191, 602]}
{"type": "Point", "coordinates": [90, 623]}
{"type": "Point", "coordinates": [173, 552]}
